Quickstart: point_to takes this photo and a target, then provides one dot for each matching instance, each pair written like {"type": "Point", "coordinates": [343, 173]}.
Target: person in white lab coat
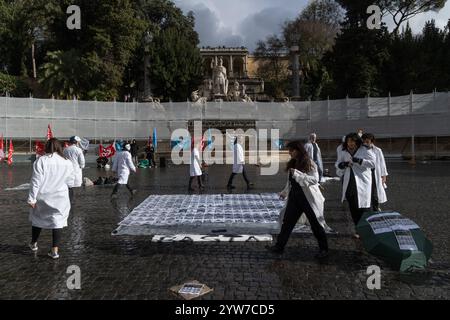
{"type": "Point", "coordinates": [74, 153]}
{"type": "Point", "coordinates": [339, 149]}
{"type": "Point", "coordinates": [49, 196]}
{"type": "Point", "coordinates": [123, 164]}
{"type": "Point", "coordinates": [379, 174]}
{"type": "Point", "coordinates": [303, 197]}
{"type": "Point", "coordinates": [355, 164]}
{"type": "Point", "coordinates": [195, 170]}
{"type": "Point", "coordinates": [238, 165]}
{"type": "Point", "coordinates": [314, 153]}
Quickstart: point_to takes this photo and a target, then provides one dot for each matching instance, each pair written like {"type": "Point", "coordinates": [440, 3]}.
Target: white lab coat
{"type": "Point", "coordinates": [310, 186]}
{"type": "Point", "coordinates": [380, 171]}
{"type": "Point", "coordinates": [363, 174]}
{"type": "Point", "coordinates": [49, 184]}
{"type": "Point", "coordinates": [338, 154]}
{"type": "Point", "coordinates": [309, 147]}
{"type": "Point", "coordinates": [76, 156]}
{"type": "Point", "coordinates": [123, 164]}
{"type": "Point", "coordinates": [238, 158]}
{"type": "Point", "coordinates": [195, 169]}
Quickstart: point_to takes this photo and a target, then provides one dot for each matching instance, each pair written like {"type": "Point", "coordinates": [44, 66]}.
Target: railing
{"type": "Point", "coordinates": [425, 114]}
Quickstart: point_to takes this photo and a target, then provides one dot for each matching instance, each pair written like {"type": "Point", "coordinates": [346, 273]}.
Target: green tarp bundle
{"type": "Point", "coordinates": [143, 164]}
{"type": "Point", "coordinates": [396, 239]}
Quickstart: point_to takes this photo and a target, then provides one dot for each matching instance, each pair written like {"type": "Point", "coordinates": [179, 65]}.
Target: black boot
{"type": "Point", "coordinates": [190, 189]}
{"type": "Point", "coordinates": [274, 249]}
{"type": "Point", "coordinates": [114, 193]}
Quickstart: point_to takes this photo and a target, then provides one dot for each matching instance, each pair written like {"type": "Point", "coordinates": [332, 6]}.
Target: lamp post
{"type": "Point", "coordinates": [295, 71]}
{"type": "Point", "coordinates": [295, 49]}
{"type": "Point", "coordinates": [148, 38]}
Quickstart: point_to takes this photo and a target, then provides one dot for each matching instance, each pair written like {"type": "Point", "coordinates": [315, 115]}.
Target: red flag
{"type": "Point", "coordinates": [49, 132]}
{"type": "Point", "coordinates": [2, 153]}
{"type": "Point", "coordinates": [203, 144]}
{"type": "Point", "coordinates": [150, 140]}
{"type": "Point", "coordinates": [107, 152]}
{"type": "Point", "coordinates": [10, 152]}
{"type": "Point", "coordinates": [39, 147]}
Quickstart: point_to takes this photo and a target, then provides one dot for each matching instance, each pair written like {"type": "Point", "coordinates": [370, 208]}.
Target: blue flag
{"type": "Point", "coordinates": [155, 139]}
{"type": "Point", "coordinates": [279, 144]}
{"type": "Point", "coordinates": [210, 141]}
{"type": "Point", "coordinates": [118, 145]}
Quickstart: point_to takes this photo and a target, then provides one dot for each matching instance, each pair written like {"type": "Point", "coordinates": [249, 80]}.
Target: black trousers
{"type": "Point", "coordinates": [296, 206]}
{"type": "Point", "coordinates": [352, 198]}
{"type": "Point", "coordinates": [71, 194]}
{"type": "Point", "coordinates": [244, 174]}
{"type": "Point", "coordinates": [199, 180]}
{"type": "Point", "coordinates": [151, 159]}
{"type": "Point", "coordinates": [118, 186]}
{"type": "Point", "coordinates": [56, 235]}
{"type": "Point", "coordinates": [375, 203]}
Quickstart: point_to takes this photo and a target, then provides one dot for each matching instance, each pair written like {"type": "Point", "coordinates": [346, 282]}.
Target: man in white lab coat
{"type": "Point", "coordinates": [355, 164]}
{"type": "Point", "coordinates": [238, 166]}
{"type": "Point", "coordinates": [123, 164]}
{"type": "Point", "coordinates": [195, 169]}
{"type": "Point", "coordinates": [74, 153]}
{"type": "Point", "coordinates": [314, 153]}
{"type": "Point", "coordinates": [379, 174]}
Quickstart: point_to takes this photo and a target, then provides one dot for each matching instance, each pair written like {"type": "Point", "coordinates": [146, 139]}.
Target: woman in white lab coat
{"type": "Point", "coordinates": [379, 174]}
{"type": "Point", "coordinates": [355, 164]}
{"type": "Point", "coordinates": [74, 153]}
{"type": "Point", "coordinates": [238, 166]}
{"type": "Point", "coordinates": [123, 165]}
{"type": "Point", "coordinates": [317, 203]}
{"type": "Point", "coordinates": [49, 196]}
{"type": "Point", "coordinates": [195, 170]}
{"type": "Point", "coordinates": [303, 197]}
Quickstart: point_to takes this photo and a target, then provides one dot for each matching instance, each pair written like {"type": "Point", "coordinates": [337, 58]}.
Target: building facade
{"type": "Point", "coordinates": [241, 71]}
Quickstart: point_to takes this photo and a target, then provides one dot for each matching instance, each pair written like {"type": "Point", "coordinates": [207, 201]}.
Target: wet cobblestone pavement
{"type": "Point", "coordinates": [135, 268]}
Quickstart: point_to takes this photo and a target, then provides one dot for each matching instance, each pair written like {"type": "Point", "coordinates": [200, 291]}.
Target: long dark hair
{"type": "Point", "coordinates": [302, 162]}
{"type": "Point", "coordinates": [54, 145]}
{"type": "Point", "coordinates": [352, 136]}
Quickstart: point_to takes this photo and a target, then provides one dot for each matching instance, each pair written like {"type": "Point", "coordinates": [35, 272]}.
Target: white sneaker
{"type": "Point", "coordinates": [53, 255]}
{"type": "Point", "coordinates": [33, 246]}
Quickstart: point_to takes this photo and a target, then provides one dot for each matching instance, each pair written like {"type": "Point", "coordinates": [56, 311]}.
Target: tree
{"type": "Point", "coordinates": [315, 29]}
{"type": "Point", "coordinates": [20, 23]}
{"type": "Point", "coordinates": [109, 47]}
{"type": "Point", "coordinates": [431, 46]}
{"type": "Point", "coordinates": [314, 32]}
{"type": "Point", "coordinates": [403, 10]}
{"type": "Point", "coordinates": [61, 74]}
{"type": "Point", "coordinates": [357, 61]}
{"type": "Point", "coordinates": [401, 74]}
{"type": "Point", "coordinates": [271, 57]}
{"type": "Point", "coordinates": [446, 61]}
{"type": "Point", "coordinates": [13, 85]}
{"type": "Point", "coordinates": [170, 56]}
{"type": "Point", "coordinates": [356, 11]}
{"type": "Point", "coordinates": [176, 67]}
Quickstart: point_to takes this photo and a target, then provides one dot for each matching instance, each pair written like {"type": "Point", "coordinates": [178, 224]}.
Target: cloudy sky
{"type": "Point", "coordinates": [244, 22]}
